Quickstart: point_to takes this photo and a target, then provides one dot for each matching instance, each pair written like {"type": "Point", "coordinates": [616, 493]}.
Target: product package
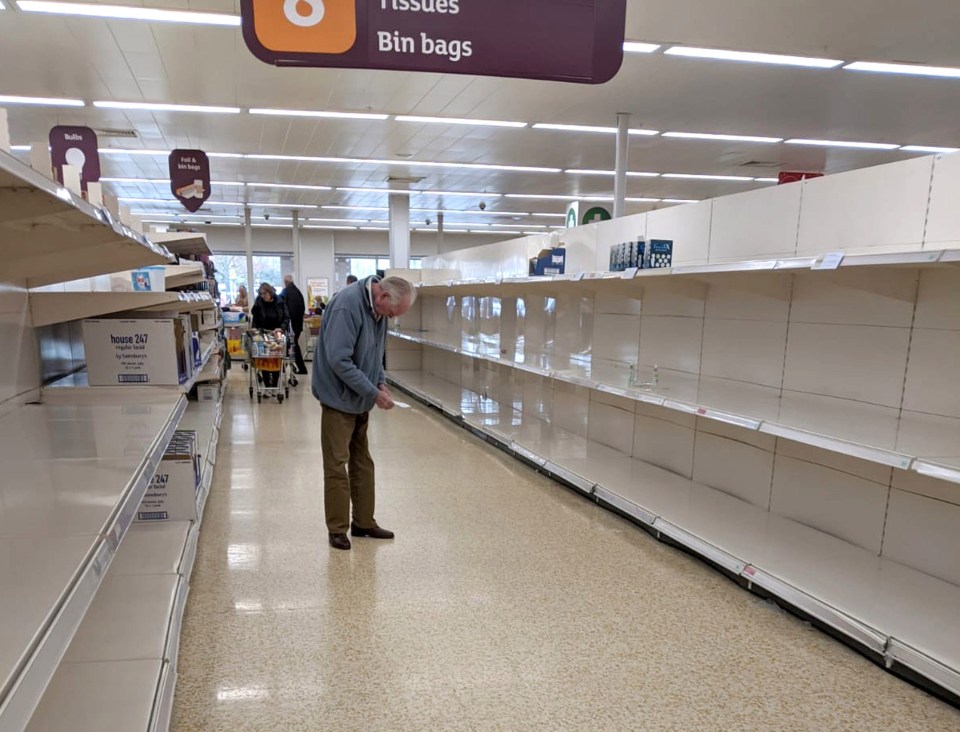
{"type": "Point", "coordinates": [660, 255]}
{"type": "Point", "coordinates": [138, 352]}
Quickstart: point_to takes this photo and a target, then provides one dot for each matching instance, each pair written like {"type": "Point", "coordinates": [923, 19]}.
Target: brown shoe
{"type": "Point", "coordinates": [375, 533]}
{"type": "Point", "coordinates": [340, 541]}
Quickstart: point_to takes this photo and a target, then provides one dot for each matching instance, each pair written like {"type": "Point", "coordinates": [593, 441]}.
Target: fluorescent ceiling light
{"type": "Point", "coordinates": [355, 208]}
{"type": "Point", "coordinates": [155, 107]}
{"type": "Point", "coordinates": [842, 143]}
{"type": "Point", "coordinates": [332, 228]}
{"type": "Point", "coordinates": [255, 204]}
{"type": "Point", "coordinates": [751, 57]}
{"type": "Point", "coordinates": [696, 176]}
{"type": "Point", "coordinates": [555, 197]}
{"type": "Point", "coordinates": [373, 228]}
{"type": "Point", "coordinates": [642, 200]}
{"type": "Point", "coordinates": [638, 47]}
{"type": "Point", "coordinates": [19, 148]}
{"type": "Point", "coordinates": [643, 132]}
{"type": "Point", "coordinates": [133, 151]}
{"type": "Point", "coordinates": [459, 121]}
{"type": "Point", "coordinates": [928, 149]}
{"type": "Point", "coordinates": [41, 101]}
{"type": "Point", "coordinates": [732, 138]}
{"type": "Point", "coordinates": [459, 193]}
{"type": "Point", "coordinates": [377, 190]}
{"type": "Point", "coordinates": [347, 221]}
{"type": "Point", "coordinates": [290, 186]}
{"type": "Point", "coordinates": [767, 180]}
{"type": "Point", "coordinates": [250, 204]}
{"type": "Point", "coordinates": [164, 181]}
{"type": "Point", "coordinates": [630, 174]}
{"type": "Point", "coordinates": [184, 217]}
{"type": "Point", "coordinates": [590, 128]}
{"type": "Point", "coordinates": [225, 155]}
{"type": "Point", "coordinates": [517, 226]}
{"type": "Point", "coordinates": [320, 113]}
{"type": "Point", "coordinates": [945, 72]}
{"type": "Point", "coordinates": [123, 12]}
{"type": "Point", "coordinates": [551, 215]}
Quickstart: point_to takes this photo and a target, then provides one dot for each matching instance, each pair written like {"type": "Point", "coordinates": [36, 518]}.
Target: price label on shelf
{"type": "Point", "coordinates": [829, 261]}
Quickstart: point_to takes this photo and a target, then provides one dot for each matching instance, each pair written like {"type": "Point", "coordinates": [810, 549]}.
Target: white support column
{"type": "Point", "coordinates": [297, 274]}
{"type": "Point", "coordinates": [399, 231]}
{"type": "Point", "coordinates": [439, 232]}
{"type": "Point", "coordinates": [623, 155]}
{"type": "Point", "coordinates": [248, 247]}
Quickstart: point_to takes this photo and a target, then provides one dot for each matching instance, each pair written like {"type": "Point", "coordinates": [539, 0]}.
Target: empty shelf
{"type": "Point", "coordinates": [906, 440]}
{"type": "Point", "coordinates": [69, 238]}
{"type": "Point", "coordinates": [75, 475]}
{"type": "Point", "coordinates": [183, 244]}
{"type": "Point", "coordinates": [901, 613]}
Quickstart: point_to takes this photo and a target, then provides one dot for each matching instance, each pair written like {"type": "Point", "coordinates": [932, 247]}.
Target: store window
{"type": "Point", "coordinates": [232, 272]}
{"type": "Point", "coordinates": [362, 267]}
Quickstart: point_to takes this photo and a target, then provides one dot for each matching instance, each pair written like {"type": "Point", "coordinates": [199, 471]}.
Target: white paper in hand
{"type": "Point", "coordinates": [401, 405]}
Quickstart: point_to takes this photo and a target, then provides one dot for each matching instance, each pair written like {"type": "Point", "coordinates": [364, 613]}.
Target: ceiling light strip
{"type": "Point", "coordinates": [41, 101]}
{"type": "Point", "coordinates": [320, 113]}
{"type": "Point", "coordinates": [158, 107]}
{"type": "Point", "coordinates": [723, 137]}
{"type": "Point", "coordinates": [123, 12]}
{"type": "Point", "coordinates": [460, 121]}
{"type": "Point", "coordinates": [844, 143]}
{"type": "Point", "coordinates": [717, 54]}
{"type": "Point", "coordinates": [942, 72]}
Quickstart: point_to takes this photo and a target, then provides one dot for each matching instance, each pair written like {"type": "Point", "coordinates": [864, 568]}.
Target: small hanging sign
{"type": "Point", "coordinates": [190, 178]}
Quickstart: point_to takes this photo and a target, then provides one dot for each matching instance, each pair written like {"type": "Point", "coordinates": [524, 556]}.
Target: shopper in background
{"type": "Point", "coordinates": [348, 381]}
{"type": "Point", "coordinates": [243, 300]}
{"type": "Point", "coordinates": [351, 279]}
{"type": "Point", "coordinates": [297, 307]}
{"type": "Point", "coordinates": [270, 313]}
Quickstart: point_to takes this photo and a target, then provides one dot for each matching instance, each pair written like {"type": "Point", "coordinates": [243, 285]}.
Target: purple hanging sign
{"type": "Point", "coordinates": [556, 40]}
{"type": "Point", "coordinates": [190, 178]}
{"type": "Point", "coordinates": [75, 146]}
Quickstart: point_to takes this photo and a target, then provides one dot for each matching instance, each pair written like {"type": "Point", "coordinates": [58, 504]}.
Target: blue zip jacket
{"type": "Point", "coordinates": [348, 360]}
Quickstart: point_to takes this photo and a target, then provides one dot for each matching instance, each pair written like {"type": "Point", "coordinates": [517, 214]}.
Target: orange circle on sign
{"type": "Point", "coordinates": [334, 31]}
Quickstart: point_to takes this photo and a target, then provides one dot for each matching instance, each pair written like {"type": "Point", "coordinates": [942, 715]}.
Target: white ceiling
{"type": "Point", "coordinates": [95, 59]}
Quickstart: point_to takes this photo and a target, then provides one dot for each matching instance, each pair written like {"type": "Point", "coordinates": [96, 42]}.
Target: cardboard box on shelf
{"type": "Point", "coordinates": [138, 352]}
{"type": "Point", "coordinates": [660, 254]}
{"type": "Point", "coordinates": [172, 495]}
{"type": "Point", "coordinates": [549, 262]}
{"type": "Point", "coordinates": [208, 392]}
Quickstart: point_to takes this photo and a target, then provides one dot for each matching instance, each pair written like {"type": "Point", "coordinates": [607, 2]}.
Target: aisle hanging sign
{"type": "Point", "coordinates": [556, 40]}
{"type": "Point", "coordinates": [76, 146]}
{"type": "Point", "coordinates": [190, 178]}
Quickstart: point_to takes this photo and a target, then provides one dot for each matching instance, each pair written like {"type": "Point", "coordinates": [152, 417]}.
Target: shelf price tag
{"type": "Point", "coordinates": [629, 274]}
{"type": "Point", "coordinates": [829, 261]}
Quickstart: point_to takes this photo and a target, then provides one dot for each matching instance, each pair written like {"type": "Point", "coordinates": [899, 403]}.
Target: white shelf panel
{"type": "Point", "coordinates": [69, 238]}
{"type": "Point", "coordinates": [185, 302]}
{"type": "Point", "coordinates": [589, 280]}
{"type": "Point", "coordinates": [886, 606]}
{"type": "Point", "coordinates": [128, 620]}
{"type": "Point", "coordinates": [47, 308]}
{"type": "Point", "coordinates": [183, 244]}
{"type": "Point", "coordinates": [153, 548]}
{"type": "Point", "coordinates": [866, 431]}
{"type": "Point", "coordinates": [80, 472]}
{"type": "Point", "coordinates": [181, 275]}
{"type": "Point", "coordinates": [93, 697]}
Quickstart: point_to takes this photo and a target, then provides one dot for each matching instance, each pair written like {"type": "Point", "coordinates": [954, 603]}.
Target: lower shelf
{"type": "Point", "coordinates": [900, 614]}
{"type": "Point", "coordinates": [119, 672]}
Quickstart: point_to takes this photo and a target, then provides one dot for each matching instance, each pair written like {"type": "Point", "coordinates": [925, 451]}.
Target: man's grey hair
{"type": "Point", "coordinates": [399, 290]}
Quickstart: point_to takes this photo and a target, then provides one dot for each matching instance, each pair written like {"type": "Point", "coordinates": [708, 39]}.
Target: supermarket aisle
{"type": "Point", "coordinates": [507, 603]}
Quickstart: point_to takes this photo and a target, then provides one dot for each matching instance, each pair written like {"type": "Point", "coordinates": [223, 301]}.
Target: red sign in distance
{"type": "Point", "coordinates": [557, 40]}
{"type": "Point", "coordinates": [190, 178]}
{"type": "Point", "coordinates": [75, 146]}
{"type": "Point", "coordinates": [793, 177]}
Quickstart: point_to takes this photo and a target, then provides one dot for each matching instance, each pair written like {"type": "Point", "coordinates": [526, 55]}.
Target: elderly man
{"type": "Point", "coordinates": [348, 381]}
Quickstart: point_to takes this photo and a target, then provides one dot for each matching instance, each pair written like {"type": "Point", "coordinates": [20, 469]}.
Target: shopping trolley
{"type": "Point", "coordinates": [270, 364]}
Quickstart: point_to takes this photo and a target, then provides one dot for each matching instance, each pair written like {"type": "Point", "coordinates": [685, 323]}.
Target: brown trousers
{"type": "Point", "coordinates": [348, 470]}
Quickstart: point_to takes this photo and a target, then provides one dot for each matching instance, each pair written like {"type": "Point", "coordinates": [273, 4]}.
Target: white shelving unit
{"type": "Point", "coordinates": [781, 402]}
{"type": "Point", "coordinates": [92, 602]}
{"type": "Point", "coordinates": [68, 237]}
{"type": "Point", "coordinates": [895, 612]}
{"type": "Point", "coordinates": [133, 626]}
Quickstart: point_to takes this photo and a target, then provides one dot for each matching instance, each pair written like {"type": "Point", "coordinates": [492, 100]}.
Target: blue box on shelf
{"type": "Point", "coordinates": [660, 254]}
{"type": "Point", "coordinates": [549, 262]}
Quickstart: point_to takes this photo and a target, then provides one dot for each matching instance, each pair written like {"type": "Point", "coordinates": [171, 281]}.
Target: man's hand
{"type": "Point", "coordinates": [384, 399]}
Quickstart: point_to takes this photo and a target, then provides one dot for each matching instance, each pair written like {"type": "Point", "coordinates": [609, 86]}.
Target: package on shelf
{"type": "Point", "coordinates": [660, 254]}
{"type": "Point", "coordinates": [209, 317]}
{"type": "Point", "coordinates": [172, 494]}
{"type": "Point", "coordinates": [549, 262]}
{"type": "Point", "coordinates": [209, 392]}
{"type": "Point", "coordinates": [627, 255]}
{"type": "Point", "coordinates": [138, 352]}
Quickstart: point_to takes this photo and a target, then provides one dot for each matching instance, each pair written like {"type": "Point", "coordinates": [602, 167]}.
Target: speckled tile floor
{"type": "Point", "coordinates": [506, 603]}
